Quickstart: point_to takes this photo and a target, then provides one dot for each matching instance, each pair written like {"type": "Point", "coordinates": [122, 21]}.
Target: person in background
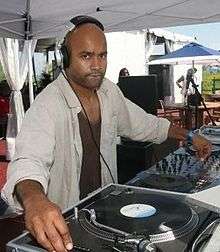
{"type": "Point", "coordinates": [67, 145]}
{"type": "Point", "coordinates": [123, 73]}
{"type": "Point", "coordinates": [183, 83]}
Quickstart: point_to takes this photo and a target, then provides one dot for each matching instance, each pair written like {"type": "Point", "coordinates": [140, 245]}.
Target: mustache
{"type": "Point", "coordinates": [96, 73]}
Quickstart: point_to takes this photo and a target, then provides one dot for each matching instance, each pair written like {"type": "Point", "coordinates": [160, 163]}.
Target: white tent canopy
{"type": "Point", "coordinates": [48, 18]}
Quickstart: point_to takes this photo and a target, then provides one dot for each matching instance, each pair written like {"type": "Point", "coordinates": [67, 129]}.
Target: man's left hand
{"type": "Point", "coordinates": [202, 146]}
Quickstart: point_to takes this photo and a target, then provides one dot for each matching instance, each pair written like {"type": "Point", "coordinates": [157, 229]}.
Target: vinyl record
{"type": "Point", "coordinates": [170, 214]}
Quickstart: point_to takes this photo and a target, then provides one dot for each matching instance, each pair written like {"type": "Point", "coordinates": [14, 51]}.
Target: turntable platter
{"type": "Point", "coordinates": [169, 215]}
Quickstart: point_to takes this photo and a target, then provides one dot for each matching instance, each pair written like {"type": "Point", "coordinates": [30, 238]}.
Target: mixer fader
{"type": "Point", "coordinates": [182, 172]}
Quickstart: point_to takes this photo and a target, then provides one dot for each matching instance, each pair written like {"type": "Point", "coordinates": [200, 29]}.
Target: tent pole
{"type": "Point", "coordinates": [27, 37]}
{"type": "Point", "coordinates": [30, 74]}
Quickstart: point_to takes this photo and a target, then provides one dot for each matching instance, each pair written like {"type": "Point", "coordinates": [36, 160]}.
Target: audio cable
{"type": "Point", "coordinates": [91, 131]}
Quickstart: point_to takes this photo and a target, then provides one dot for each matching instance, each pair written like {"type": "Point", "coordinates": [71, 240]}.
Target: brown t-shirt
{"type": "Point", "coordinates": [90, 177]}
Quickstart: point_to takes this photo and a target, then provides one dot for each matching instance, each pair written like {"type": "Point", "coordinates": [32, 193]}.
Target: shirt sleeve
{"type": "Point", "coordinates": [33, 153]}
{"type": "Point", "coordinates": [136, 124]}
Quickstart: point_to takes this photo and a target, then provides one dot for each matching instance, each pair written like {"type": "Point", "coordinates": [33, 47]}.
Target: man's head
{"type": "Point", "coordinates": [124, 72]}
{"type": "Point", "coordinates": [87, 52]}
{"type": "Point", "coordinates": [191, 71]}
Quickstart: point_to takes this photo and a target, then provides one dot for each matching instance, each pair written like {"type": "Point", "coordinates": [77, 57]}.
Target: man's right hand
{"type": "Point", "coordinates": [45, 222]}
{"type": "Point", "coordinates": [43, 218]}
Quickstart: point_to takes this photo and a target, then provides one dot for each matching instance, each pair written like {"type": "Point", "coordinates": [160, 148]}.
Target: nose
{"type": "Point", "coordinates": [96, 63]}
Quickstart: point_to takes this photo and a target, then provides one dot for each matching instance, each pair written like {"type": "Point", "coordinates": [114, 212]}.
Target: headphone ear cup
{"type": "Point", "coordinates": [65, 56]}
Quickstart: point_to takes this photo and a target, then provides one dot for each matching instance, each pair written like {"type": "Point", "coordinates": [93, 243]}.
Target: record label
{"type": "Point", "coordinates": [138, 210]}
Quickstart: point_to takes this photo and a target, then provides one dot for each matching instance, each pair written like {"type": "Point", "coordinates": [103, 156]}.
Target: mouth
{"type": "Point", "coordinates": [95, 75]}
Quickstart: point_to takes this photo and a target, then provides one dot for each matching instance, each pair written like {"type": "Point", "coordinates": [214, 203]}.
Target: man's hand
{"type": "Point", "coordinates": [202, 146]}
{"type": "Point", "coordinates": [45, 222]}
{"type": "Point", "coordinates": [43, 219]}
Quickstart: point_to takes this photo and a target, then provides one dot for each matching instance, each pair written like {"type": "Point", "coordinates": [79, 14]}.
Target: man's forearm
{"type": "Point", "coordinates": [28, 190]}
{"type": "Point", "coordinates": [177, 133]}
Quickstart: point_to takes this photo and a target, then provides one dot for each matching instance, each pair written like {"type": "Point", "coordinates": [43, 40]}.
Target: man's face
{"type": "Point", "coordinates": [88, 56]}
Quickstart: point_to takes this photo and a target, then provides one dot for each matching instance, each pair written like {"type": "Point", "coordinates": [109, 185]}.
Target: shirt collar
{"type": "Point", "coordinates": [69, 94]}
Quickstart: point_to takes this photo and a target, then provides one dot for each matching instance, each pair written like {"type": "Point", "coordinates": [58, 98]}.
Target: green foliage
{"type": "Point", "coordinates": [2, 75]}
{"type": "Point", "coordinates": [207, 83]}
{"type": "Point", "coordinates": [43, 82]}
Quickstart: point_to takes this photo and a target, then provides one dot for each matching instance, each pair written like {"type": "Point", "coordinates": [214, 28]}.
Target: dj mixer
{"type": "Point", "coordinates": [181, 171]}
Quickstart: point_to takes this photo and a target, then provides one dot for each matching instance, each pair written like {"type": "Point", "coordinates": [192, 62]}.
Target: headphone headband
{"type": "Point", "coordinates": [82, 19]}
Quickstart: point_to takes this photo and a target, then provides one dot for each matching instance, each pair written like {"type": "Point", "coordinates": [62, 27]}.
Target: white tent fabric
{"type": "Point", "coordinates": [149, 47]}
{"type": "Point", "coordinates": [170, 99]}
{"type": "Point", "coordinates": [48, 18]}
{"type": "Point", "coordinates": [15, 67]}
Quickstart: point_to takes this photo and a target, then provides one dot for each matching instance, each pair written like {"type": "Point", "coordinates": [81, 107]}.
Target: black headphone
{"type": "Point", "coordinates": [77, 21]}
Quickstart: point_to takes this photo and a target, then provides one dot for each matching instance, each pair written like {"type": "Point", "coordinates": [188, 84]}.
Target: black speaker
{"type": "Point", "coordinates": [131, 159]}
{"type": "Point", "coordinates": [142, 90]}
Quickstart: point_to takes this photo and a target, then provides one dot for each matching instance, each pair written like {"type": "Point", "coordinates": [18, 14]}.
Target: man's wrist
{"type": "Point", "coordinates": [189, 136]}
{"type": "Point", "coordinates": [29, 191]}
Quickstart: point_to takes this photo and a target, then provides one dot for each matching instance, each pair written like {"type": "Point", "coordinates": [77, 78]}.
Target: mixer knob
{"type": "Point", "coordinates": [175, 157]}
{"type": "Point", "coordinates": [158, 168]}
{"type": "Point", "coordinates": [187, 161]}
{"type": "Point", "coordinates": [164, 165]}
{"type": "Point", "coordinates": [169, 169]}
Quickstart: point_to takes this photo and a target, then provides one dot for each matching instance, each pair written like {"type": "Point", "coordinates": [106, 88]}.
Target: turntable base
{"type": "Point", "coordinates": [123, 218]}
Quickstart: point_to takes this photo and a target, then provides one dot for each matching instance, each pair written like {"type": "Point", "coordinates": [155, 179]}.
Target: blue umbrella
{"type": "Point", "coordinates": [192, 53]}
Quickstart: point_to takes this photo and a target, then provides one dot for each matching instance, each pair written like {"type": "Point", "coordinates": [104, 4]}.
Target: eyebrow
{"type": "Point", "coordinates": [89, 52]}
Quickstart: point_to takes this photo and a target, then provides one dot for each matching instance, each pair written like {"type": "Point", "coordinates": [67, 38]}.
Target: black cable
{"type": "Point", "coordinates": [91, 131]}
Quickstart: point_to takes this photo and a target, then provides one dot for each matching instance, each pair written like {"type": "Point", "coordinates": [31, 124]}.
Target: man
{"type": "Point", "coordinates": [58, 151]}
{"type": "Point", "coordinates": [183, 84]}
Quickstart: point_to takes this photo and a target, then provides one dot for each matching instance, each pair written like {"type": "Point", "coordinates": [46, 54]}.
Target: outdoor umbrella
{"type": "Point", "coordinates": [191, 53]}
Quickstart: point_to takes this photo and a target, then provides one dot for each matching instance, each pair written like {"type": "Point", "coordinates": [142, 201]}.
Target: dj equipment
{"type": "Point", "coordinates": [128, 219]}
{"type": "Point", "coordinates": [181, 172]}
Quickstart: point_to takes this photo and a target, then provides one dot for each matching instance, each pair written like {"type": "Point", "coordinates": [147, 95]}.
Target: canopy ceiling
{"type": "Point", "coordinates": [50, 17]}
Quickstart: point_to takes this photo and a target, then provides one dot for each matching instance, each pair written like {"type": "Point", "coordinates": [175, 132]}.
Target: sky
{"type": "Point", "coordinates": [206, 34]}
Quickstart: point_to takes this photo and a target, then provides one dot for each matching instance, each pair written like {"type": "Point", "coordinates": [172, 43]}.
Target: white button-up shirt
{"type": "Point", "coordinates": [49, 148]}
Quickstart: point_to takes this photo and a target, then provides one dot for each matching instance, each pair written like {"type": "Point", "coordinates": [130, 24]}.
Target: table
{"type": "Point", "coordinates": [189, 113]}
{"type": "Point", "coordinates": [215, 97]}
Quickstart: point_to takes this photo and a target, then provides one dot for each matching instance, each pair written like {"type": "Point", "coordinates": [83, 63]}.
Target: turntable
{"type": "Point", "coordinates": [129, 219]}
